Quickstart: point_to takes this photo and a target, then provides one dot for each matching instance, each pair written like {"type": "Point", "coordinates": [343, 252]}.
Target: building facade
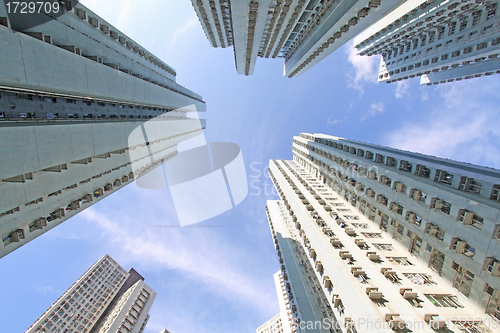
{"type": "Point", "coordinates": [84, 110]}
{"type": "Point", "coordinates": [281, 322]}
{"type": "Point", "coordinates": [372, 238]}
{"type": "Point", "coordinates": [440, 41]}
{"type": "Point", "coordinates": [303, 32]}
{"type": "Point", "coordinates": [106, 298]}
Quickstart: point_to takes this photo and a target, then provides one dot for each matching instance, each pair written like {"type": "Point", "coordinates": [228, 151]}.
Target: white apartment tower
{"type": "Point", "coordinates": [84, 110]}
{"type": "Point", "coordinates": [303, 32]}
{"type": "Point", "coordinates": [106, 298]}
{"type": "Point", "coordinates": [374, 239]}
{"type": "Point", "coordinates": [281, 322]}
{"type": "Point", "coordinates": [440, 41]}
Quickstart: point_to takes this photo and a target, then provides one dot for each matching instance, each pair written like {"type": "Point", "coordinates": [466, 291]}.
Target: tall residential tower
{"type": "Point", "coordinates": [105, 299]}
{"type": "Point", "coordinates": [372, 238]}
{"type": "Point", "coordinates": [440, 41]}
{"type": "Point", "coordinates": [303, 32]}
{"type": "Point", "coordinates": [84, 110]}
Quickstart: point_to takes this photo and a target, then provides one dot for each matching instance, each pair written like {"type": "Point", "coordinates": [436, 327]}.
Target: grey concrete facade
{"type": "Point", "coordinates": [96, 297]}
{"type": "Point", "coordinates": [73, 92]}
{"type": "Point", "coordinates": [300, 31]}
{"type": "Point", "coordinates": [439, 41]}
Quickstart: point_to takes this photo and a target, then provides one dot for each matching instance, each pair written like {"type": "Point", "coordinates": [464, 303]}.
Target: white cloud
{"type": "Point", "coordinates": [190, 23]}
{"type": "Point", "coordinates": [402, 88]}
{"type": "Point", "coordinates": [194, 253]}
{"type": "Point", "coordinates": [365, 69]}
{"type": "Point", "coordinates": [463, 125]}
{"type": "Point", "coordinates": [374, 109]}
{"type": "Point", "coordinates": [331, 121]}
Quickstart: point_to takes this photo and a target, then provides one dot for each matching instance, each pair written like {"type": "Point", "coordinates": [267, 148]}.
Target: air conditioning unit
{"type": "Point", "coordinates": [395, 207]}
{"type": "Point", "coordinates": [81, 13]}
{"type": "Point", "coordinates": [467, 218]}
{"type": "Point", "coordinates": [372, 175]}
{"type": "Point", "coordinates": [438, 205]}
{"type": "Point", "coordinates": [94, 21]}
{"type": "Point", "coordinates": [460, 247]}
{"type": "Point", "coordinates": [412, 217]}
{"type": "Point", "coordinates": [399, 187]}
{"type": "Point", "coordinates": [495, 268]}
{"type": "Point", "coordinates": [433, 230]}
{"type": "Point", "coordinates": [417, 195]}
{"type": "Point", "coordinates": [370, 193]}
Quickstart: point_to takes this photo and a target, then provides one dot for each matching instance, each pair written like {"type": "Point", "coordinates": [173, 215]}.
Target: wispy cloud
{"type": "Point", "coordinates": [190, 23]}
{"type": "Point", "coordinates": [330, 121]}
{"type": "Point", "coordinates": [402, 88]}
{"type": "Point", "coordinates": [374, 109]}
{"type": "Point", "coordinates": [192, 252]}
{"type": "Point", "coordinates": [365, 69]}
{"type": "Point", "coordinates": [463, 124]}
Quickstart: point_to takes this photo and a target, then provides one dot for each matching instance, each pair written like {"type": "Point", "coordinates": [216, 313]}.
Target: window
{"type": "Point", "coordinates": [422, 171]}
{"type": "Point", "coordinates": [382, 199]}
{"type": "Point", "coordinates": [399, 261]}
{"type": "Point", "coordinates": [441, 205]}
{"type": "Point", "coordinates": [435, 231]}
{"type": "Point", "coordinates": [399, 228]}
{"type": "Point", "coordinates": [460, 246]}
{"type": "Point", "coordinates": [444, 300]}
{"type": "Point", "coordinates": [391, 161]}
{"type": "Point", "coordinates": [383, 247]}
{"type": "Point", "coordinates": [385, 180]}
{"type": "Point", "coordinates": [415, 245]}
{"type": "Point", "coordinates": [452, 27]}
{"type": "Point", "coordinates": [372, 234]}
{"type": "Point", "coordinates": [443, 177]}
{"type": "Point", "coordinates": [413, 218]}
{"type": "Point", "coordinates": [418, 195]}
{"type": "Point", "coordinates": [463, 23]}
{"type": "Point", "coordinates": [476, 17]}
{"type": "Point", "coordinates": [495, 193]}
{"type": "Point", "coordinates": [420, 278]}
{"type": "Point", "coordinates": [436, 261]}
{"type": "Point", "coordinates": [379, 158]}
{"type": "Point", "coordinates": [463, 281]}
{"type": "Point", "coordinates": [396, 208]}
{"type": "Point", "coordinates": [469, 218]}
{"type": "Point", "coordinates": [469, 185]}
{"type": "Point", "coordinates": [405, 166]}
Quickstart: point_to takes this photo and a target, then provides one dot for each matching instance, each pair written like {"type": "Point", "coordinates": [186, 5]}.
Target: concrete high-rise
{"type": "Point", "coordinates": [84, 110]}
{"type": "Point", "coordinates": [303, 32]}
{"type": "Point", "coordinates": [106, 298]}
{"type": "Point", "coordinates": [372, 238]}
{"type": "Point", "coordinates": [281, 322]}
{"type": "Point", "coordinates": [440, 41]}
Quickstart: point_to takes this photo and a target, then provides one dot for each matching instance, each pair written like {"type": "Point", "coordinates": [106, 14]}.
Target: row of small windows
{"type": "Point", "coordinates": [443, 57]}
{"type": "Point", "coordinates": [464, 216]}
{"type": "Point", "coordinates": [466, 184]}
{"type": "Point", "coordinates": [452, 21]}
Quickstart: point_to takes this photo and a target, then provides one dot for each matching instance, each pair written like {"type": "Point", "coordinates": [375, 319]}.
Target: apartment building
{"type": "Point", "coordinates": [303, 32]}
{"type": "Point", "coordinates": [106, 298]}
{"type": "Point", "coordinates": [372, 238]}
{"type": "Point", "coordinates": [438, 41]}
{"type": "Point", "coordinates": [84, 111]}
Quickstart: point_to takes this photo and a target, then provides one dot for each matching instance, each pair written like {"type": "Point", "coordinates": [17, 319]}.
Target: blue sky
{"type": "Point", "coordinates": [219, 277]}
